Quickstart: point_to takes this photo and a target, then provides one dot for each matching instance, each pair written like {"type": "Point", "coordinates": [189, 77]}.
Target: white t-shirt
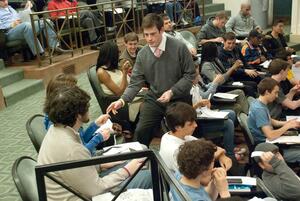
{"type": "Point", "coordinates": [169, 146]}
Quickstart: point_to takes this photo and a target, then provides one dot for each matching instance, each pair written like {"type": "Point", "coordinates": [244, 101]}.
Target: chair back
{"type": "Point", "coordinates": [242, 118]}
{"type": "Point", "coordinates": [23, 174]}
{"type": "Point", "coordinates": [103, 99]}
{"type": "Point", "coordinates": [36, 130]}
{"type": "Point", "coordinates": [190, 37]}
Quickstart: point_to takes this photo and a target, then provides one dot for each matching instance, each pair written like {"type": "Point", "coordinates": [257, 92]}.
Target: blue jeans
{"type": "Point", "coordinates": [170, 7]}
{"type": "Point", "coordinates": [226, 127]}
{"type": "Point", "coordinates": [24, 31]}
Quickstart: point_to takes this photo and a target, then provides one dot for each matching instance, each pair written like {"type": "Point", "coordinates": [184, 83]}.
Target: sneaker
{"type": "Point", "coordinates": [184, 22]}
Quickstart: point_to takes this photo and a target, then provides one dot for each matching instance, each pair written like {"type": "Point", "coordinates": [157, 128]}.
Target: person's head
{"type": "Point", "coordinates": [267, 147]}
{"type": "Point", "coordinates": [255, 37]}
{"type": "Point", "coordinates": [68, 105]}
{"type": "Point", "coordinates": [209, 52]}
{"type": "Point", "coordinates": [153, 29]}
{"type": "Point", "coordinates": [167, 22]}
{"type": "Point", "coordinates": [196, 159]}
{"type": "Point", "coordinates": [268, 88]}
{"type": "Point", "coordinates": [220, 20]}
{"type": "Point", "coordinates": [280, 68]}
{"type": "Point", "coordinates": [246, 8]}
{"type": "Point", "coordinates": [278, 26]}
{"type": "Point", "coordinates": [131, 41]}
{"type": "Point", "coordinates": [108, 55]}
{"type": "Point", "coordinates": [3, 3]}
{"type": "Point", "coordinates": [181, 118]}
{"type": "Point", "coordinates": [229, 41]}
{"type": "Point", "coordinates": [285, 55]}
{"type": "Point", "coordinates": [57, 82]}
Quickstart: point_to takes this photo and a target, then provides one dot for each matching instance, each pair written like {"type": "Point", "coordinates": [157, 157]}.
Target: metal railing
{"type": "Point", "coordinates": [125, 16]}
{"type": "Point", "coordinates": [162, 178]}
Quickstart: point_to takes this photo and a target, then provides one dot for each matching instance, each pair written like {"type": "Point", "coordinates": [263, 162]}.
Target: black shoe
{"type": "Point", "coordinates": [59, 51]}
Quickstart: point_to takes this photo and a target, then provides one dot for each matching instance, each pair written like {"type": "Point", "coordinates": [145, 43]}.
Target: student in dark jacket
{"type": "Point", "coordinates": [274, 40]}
{"type": "Point", "coordinates": [229, 53]}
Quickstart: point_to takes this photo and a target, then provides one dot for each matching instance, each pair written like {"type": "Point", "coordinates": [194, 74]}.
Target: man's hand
{"type": "Point", "coordinates": [251, 73]}
{"type": "Point", "coordinates": [105, 133]}
{"type": "Point", "coordinates": [295, 89]}
{"type": "Point", "coordinates": [114, 106]}
{"type": "Point", "coordinates": [220, 181]}
{"type": "Point", "coordinates": [238, 63]}
{"type": "Point", "coordinates": [219, 40]}
{"type": "Point", "coordinates": [290, 50]}
{"type": "Point", "coordinates": [293, 124]}
{"type": "Point", "coordinates": [165, 97]}
{"type": "Point", "coordinates": [28, 5]}
{"type": "Point", "coordinates": [193, 51]}
{"type": "Point", "coordinates": [15, 23]}
{"type": "Point", "coordinates": [267, 156]}
{"type": "Point", "coordinates": [203, 103]}
{"type": "Point", "coordinates": [225, 162]}
{"type": "Point", "coordinates": [126, 67]}
{"type": "Point", "coordinates": [102, 119]}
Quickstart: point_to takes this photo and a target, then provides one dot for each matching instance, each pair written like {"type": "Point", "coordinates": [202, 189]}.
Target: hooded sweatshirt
{"type": "Point", "coordinates": [209, 31]}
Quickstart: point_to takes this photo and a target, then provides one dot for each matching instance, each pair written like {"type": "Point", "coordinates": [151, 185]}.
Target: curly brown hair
{"type": "Point", "coordinates": [195, 157]}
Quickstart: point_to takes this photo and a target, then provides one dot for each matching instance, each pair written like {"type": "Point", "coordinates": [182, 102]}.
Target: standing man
{"type": "Point", "coordinates": [243, 23]}
{"type": "Point", "coordinates": [167, 66]}
{"type": "Point", "coordinates": [169, 31]}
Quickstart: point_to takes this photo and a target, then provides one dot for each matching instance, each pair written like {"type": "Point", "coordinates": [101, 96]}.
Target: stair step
{"type": "Point", "coordinates": [9, 76]}
{"type": "Point", "coordinates": [20, 90]}
{"type": "Point", "coordinates": [205, 2]}
{"type": "Point", "coordinates": [209, 8]}
{"type": "Point", "coordinates": [2, 65]}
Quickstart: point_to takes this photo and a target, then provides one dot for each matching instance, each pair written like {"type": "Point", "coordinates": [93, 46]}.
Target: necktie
{"type": "Point", "coordinates": [157, 52]}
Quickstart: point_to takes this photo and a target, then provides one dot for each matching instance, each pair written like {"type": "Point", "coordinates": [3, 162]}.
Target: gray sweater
{"type": "Point", "coordinates": [241, 25]}
{"type": "Point", "coordinates": [174, 70]}
{"type": "Point", "coordinates": [209, 31]}
{"type": "Point", "coordinates": [210, 70]}
{"type": "Point", "coordinates": [282, 182]}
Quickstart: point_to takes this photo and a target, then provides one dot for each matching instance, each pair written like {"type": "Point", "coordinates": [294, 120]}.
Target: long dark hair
{"type": "Point", "coordinates": [108, 56]}
{"type": "Point", "coordinates": [209, 53]}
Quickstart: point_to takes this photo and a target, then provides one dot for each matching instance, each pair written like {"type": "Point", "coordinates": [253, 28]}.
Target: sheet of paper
{"type": "Point", "coordinates": [108, 125]}
{"type": "Point", "coordinates": [286, 140]}
{"type": "Point", "coordinates": [293, 117]}
{"type": "Point", "coordinates": [256, 153]}
{"type": "Point", "coordinates": [129, 195]}
{"type": "Point", "coordinates": [245, 180]}
{"type": "Point", "coordinates": [204, 112]}
{"type": "Point", "coordinates": [266, 64]}
{"type": "Point", "coordinates": [237, 84]}
{"type": "Point", "coordinates": [226, 95]}
{"type": "Point", "coordinates": [122, 148]}
{"type": "Point", "coordinates": [24, 15]}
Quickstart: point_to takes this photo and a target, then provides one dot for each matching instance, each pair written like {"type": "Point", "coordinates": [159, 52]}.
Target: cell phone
{"type": "Point", "coordinates": [234, 181]}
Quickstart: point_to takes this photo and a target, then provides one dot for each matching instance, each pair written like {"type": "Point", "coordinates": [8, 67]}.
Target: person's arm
{"type": "Point", "coordinates": [272, 134]}
{"type": "Point", "coordinates": [52, 7]}
{"type": "Point", "coordinates": [291, 104]}
{"type": "Point", "coordinates": [249, 57]}
{"type": "Point", "coordinates": [105, 78]}
{"type": "Point", "coordinates": [211, 190]}
{"type": "Point", "coordinates": [286, 182]}
{"type": "Point", "coordinates": [8, 25]}
{"type": "Point", "coordinates": [209, 72]}
{"type": "Point", "coordinates": [211, 89]}
{"type": "Point", "coordinates": [184, 84]}
{"type": "Point", "coordinates": [202, 37]}
{"type": "Point", "coordinates": [234, 67]}
{"type": "Point", "coordinates": [230, 25]}
{"type": "Point", "coordinates": [137, 81]}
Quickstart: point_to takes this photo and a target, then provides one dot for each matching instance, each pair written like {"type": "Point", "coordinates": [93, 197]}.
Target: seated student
{"type": "Point", "coordinates": [213, 30]}
{"type": "Point", "coordinates": [114, 82]}
{"type": "Point", "coordinates": [181, 120]}
{"type": "Point", "coordinates": [229, 53]}
{"type": "Point", "coordinates": [15, 29]}
{"type": "Point", "coordinates": [68, 110]}
{"type": "Point", "coordinates": [89, 137]}
{"type": "Point", "coordinates": [200, 90]}
{"type": "Point", "coordinates": [253, 52]}
{"type": "Point", "coordinates": [172, 6]}
{"type": "Point", "coordinates": [211, 66]}
{"type": "Point", "coordinates": [279, 70]}
{"type": "Point", "coordinates": [169, 31]}
{"type": "Point", "coordinates": [274, 40]}
{"type": "Point", "coordinates": [243, 22]}
{"type": "Point", "coordinates": [278, 177]}
{"type": "Point", "coordinates": [261, 124]}
{"type": "Point", "coordinates": [88, 19]}
{"type": "Point", "coordinates": [197, 175]}
{"type": "Point", "coordinates": [129, 54]}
